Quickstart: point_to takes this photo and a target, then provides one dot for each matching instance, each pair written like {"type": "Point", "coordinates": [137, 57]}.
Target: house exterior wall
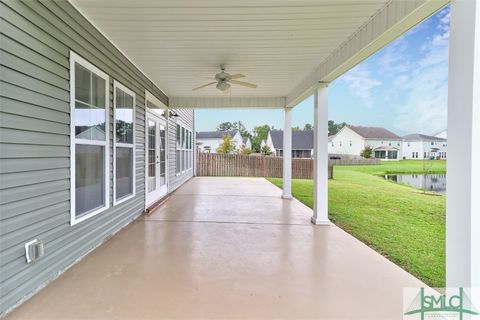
{"type": "Point", "coordinates": [412, 150]}
{"type": "Point", "coordinates": [215, 143]}
{"type": "Point", "coordinates": [440, 145]}
{"type": "Point", "coordinates": [296, 153]}
{"type": "Point", "coordinates": [387, 143]}
{"type": "Point", "coordinates": [346, 142]}
{"type": "Point", "coordinates": [208, 145]}
{"type": "Point", "coordinates": [424, 149]}
{"type": "Point", "coordinates": [186, 119]}
{"type": "Point", "coordinates": [35, 142]}
{"type": "Point", "coordinates": [269, 143]}
{"type": "Point", "coordinates": [248, 144]}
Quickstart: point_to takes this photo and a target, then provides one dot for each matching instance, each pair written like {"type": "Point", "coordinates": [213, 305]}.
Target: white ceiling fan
{"type": "Point", "coordinates": [224, 81]}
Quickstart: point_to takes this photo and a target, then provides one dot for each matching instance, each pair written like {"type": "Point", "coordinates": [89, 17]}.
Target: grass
{"type": "Point", "coordinates": [403, 224]}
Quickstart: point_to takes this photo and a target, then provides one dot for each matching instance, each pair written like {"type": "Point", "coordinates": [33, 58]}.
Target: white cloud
{"type": "Point", "coordinates": [426, 86]}
{"type": "Point", "coordinates": [361, 84]}
{"type": "Point", "coordinates": [394, 60]}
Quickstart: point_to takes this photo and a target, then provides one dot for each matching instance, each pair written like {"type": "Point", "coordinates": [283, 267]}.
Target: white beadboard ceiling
{"type": "Point", "coordinates": [276, 43]}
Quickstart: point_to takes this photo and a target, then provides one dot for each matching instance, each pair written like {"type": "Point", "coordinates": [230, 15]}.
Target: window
{"type": "Point", "coordinates": [183, 155]}
{"type": "Point", "coordinates": [178, 150]}
{"type": "Point", "coordinates": [184, 151]}
{"type": "Point", "coordinates": [89, 156]}
{"type": "Point", "coordinates": [413, 154]}
{"type": "Point", "coordinates": [123, 143]}
{"type": "Point", "coordinates": [416, 155]}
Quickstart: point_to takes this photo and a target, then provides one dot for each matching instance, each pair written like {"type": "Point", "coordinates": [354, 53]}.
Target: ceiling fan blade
{"type": "Point", "coordinates": [243, 83]}
{"type": "Point", "coordinates": [237, 76]}
{"type": "Point", "coordinates": [205, 85]}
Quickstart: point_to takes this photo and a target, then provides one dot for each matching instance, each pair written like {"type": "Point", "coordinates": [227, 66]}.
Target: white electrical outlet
{"type": "Point", "coordinates": [33, 250]}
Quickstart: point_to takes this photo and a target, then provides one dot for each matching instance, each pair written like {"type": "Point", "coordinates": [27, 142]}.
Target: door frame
{"type": "Point", "coordinates": [150, 97]}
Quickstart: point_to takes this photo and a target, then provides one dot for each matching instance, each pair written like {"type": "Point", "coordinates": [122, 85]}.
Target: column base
{"type": "Point", "coordinates": [287, 196]}
{"type": "Point", "coordinates": [320, 222]}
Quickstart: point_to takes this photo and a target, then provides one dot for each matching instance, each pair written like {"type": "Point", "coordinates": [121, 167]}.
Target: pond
{"type": "Point", "coordinates": [430, 182]}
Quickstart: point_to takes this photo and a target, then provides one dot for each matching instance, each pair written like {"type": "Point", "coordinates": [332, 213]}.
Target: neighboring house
{"type": "Point", "coordinates": [420, 146]}
{"type": "Point", "coordinates": [246, 142]}
{"type": "Point", "coordinates": [442, 134]}
{"type": "Point", "coordinates": [209, 141]}
{"type": "Point", "coordinates": [302, 143]}
{"type": "Point", "coordinates": [353, 139]}
{"type": "Point", "coordinates": [88, 140]}
{"type": "Point", "coordinates": [263, 143]}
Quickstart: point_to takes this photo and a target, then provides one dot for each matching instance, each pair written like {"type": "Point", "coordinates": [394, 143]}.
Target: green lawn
{"type": "Point", "coordinates": [398, 221]}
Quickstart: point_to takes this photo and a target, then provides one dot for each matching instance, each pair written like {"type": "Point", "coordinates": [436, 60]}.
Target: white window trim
{"type": "Point", "coordinates": [187, 128]}
{"type": "Point", "coordinates": [116, 144]}
{"type": "Point", "coordinates": [75, 58]}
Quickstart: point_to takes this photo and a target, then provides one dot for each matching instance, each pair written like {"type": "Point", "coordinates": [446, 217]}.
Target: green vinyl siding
{"type": "Point", "coordinates": [36, 37]}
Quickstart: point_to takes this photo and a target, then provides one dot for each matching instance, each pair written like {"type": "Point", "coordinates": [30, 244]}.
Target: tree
{"type": "Point", "coordinates": [297, 128]}
{"type": "Point", "coordinates": [266, 150]}
{"type": "Point", "coordinates": [260, 133]}
{"type": "Point", "coordinates": [367, 152]}
{"type": "Point", "coordinates": [227, 146]}
{"type": "Point", "coordinates": [225, 126]}
{"type": "Point", "coordinates": [333, 127]}
{"type": "Point", "coordinates": [238, 125]}
{"type": "Point", "coordinates": [308, 126]}
{"type": "Point", "coordinates": [245, 151]}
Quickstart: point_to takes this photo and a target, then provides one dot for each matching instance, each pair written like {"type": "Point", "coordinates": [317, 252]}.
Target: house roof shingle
{"type": "Point", "coordinates": [422, 137]}
{"type": "Point", "coordinates": [374, 132]}
{"type": "Point", "coordinates": [301, 139]}
{"type": "Point", "coordinates": [215, 134]}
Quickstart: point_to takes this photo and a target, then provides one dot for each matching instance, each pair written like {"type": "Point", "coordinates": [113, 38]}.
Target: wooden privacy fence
{"type": "Point", "coordinates": [237, 165]}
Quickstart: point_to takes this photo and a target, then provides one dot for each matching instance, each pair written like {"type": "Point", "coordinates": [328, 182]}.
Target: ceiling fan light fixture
{"type": "Point", "coordinates": [222, 86]}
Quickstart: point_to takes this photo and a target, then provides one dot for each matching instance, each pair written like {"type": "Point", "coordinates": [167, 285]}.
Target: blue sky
{"type": "Point", "coordinates": [403, 88]}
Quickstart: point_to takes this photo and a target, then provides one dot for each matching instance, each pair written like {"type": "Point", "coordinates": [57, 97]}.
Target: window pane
{"type": "Point", "coordinates": [124, 117]}
{"type": "Point", "coordinates": [89, 178]}
{"type": "Point", "coordinates": [183, 160]}
{"type": "Point", "coordinates": [82, 83]}
{"type": "Point", "coordinates": [89, 105]}
{"type": "Point", "coordinates": [152, 128]}
{"type": "Point", "coordinates": [177, 161]}
{"type": "Point", "coordinates": [89, 122]}
{"type": "Point", "coordinates": [124, 172]}
{"type": "Point", "coordinates": [183, 137]}
{"type": "Point", "coordinates": [178, 135]}
{"type": "Point", "coordinates": [98, 91]}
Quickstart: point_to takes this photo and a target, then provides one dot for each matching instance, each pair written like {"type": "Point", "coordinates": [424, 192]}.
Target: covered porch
{"type": "Point", "coordinates": [226, 248]}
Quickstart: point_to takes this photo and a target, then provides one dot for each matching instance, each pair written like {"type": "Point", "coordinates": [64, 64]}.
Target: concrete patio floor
{"type": "Point", "coordinates": [226, 248]}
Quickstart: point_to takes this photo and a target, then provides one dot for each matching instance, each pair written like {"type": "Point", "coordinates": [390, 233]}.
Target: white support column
{"type": "Point", "coordinates": [287, 154]}
{"type": "Point", "coordinates": [320, 149]}
{"type": "Point", "coordinates": [463, 164]}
